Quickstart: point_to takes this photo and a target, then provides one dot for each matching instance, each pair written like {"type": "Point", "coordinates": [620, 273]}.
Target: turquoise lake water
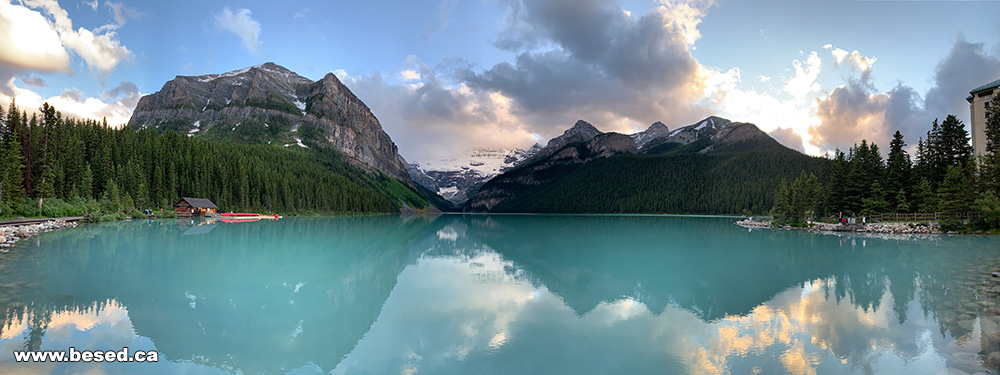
{"type": "Point", "coordinates": [504, 294]}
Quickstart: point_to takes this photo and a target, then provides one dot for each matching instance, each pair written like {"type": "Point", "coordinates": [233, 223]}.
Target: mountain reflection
{"type": "Point", "coordinates": [507, 294]}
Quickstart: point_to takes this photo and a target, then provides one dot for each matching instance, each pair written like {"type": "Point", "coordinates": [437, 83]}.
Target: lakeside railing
{"type": "Point", "coordinates": [936, 216]}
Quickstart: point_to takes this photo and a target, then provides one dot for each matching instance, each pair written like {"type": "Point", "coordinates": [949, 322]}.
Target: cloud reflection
{"type": "Point", "coordinates": [479, 314]}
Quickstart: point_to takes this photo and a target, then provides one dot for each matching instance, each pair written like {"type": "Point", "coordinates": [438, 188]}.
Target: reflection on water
{"type": "Point", "coordinates": [502, 294]}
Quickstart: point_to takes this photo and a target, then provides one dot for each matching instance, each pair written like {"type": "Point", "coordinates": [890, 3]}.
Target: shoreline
{"type": "Point", "coordinates": [894, 228]}
{"type": "Point", "coordinates": [10, 234]}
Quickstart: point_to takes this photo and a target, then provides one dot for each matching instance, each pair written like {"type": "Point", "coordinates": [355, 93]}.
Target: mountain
{"type": "Point", "coordinates": [453, 178]}
{"type": "Point", "coordinates": [267, 104]}
{"type": "Point", "coordinates": [582, 131]}
{"type": "Point", "coordinates": [655, 131]}
{"type": "Point", "coordinates": [714, 166]}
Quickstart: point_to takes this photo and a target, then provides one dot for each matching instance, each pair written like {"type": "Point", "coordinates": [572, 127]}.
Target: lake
{"type": "Point", "coordinates": [501, 294]}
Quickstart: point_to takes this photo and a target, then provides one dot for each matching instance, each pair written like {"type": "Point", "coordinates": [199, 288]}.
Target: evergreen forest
{"type": "Point", "coordinates": [53, 166]}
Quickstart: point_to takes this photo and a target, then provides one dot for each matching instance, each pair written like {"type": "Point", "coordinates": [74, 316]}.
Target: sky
{"type": "Point", "coordinates": [445, 76]}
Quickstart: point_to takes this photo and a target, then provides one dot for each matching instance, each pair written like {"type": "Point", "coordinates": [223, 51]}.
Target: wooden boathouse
{"type": "Point", "coordinates": [188, 207]}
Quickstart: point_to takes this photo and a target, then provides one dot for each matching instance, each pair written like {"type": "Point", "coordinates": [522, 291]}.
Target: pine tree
{"type": "Point", "coordinates": [992, 127]}
{"type": "Point", "coordinates": [875, 204]}
{"type": "Point", "coordinates": [838, 180]}
{"type": "Point", "coordinates": [991, 158]}
{"type": "Point", "coordinates": [988, 210]}
{"type": "Point", "coordinates": [956, 195]}
{"type": "Point", "coordinates": [898, 174]}
{"type": "Point", "coordinates": [927, 201]}
{"type": "Point", "coordinates": [112, 197]}
{"type": "Point", "coordinates": [953, 145]}
{"type": "Point", "coordinates": [87, 183]}
{"type": "Point", "coordinates": [901, 204]}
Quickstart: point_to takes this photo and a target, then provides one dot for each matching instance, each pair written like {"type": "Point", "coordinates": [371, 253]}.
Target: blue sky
{"type": "Point", "coordinates": [446, 75]}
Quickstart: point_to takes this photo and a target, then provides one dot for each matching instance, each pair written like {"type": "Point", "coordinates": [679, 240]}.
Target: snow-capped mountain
{"type": "Point", "coordinates": [656, 130]}
{"type": "Point", "coordinates": [453, 177]}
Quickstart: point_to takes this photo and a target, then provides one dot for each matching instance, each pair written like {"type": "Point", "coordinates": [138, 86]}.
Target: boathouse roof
{"type": "Point", "coordinates": [198, 202]}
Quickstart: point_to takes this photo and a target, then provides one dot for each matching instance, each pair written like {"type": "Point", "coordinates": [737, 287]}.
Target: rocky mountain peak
{"type": "Point", "coordinates": [581, 131]}
{"type": "Point", "coordinates": [270, 104]}
{"type": "Point", "coordinates": [657, 126]}
{"type": "Point", "coordinates": [655, 131]}
{"type": "Point", "coordinates": [582, 127]}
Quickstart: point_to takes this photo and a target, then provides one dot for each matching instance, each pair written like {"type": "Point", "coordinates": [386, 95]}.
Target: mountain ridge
{"type": "Point", "coordinates": [619, 177]}
{"type": "Point", "coordinates": [269, 103]}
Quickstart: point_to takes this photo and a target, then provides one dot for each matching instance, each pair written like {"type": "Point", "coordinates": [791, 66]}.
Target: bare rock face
{"type": "Point", "coordinates": [280, 106]}
{"type": "Point", "coordinates": [654, 131]}
{"type": "Point", "coordinates": [738, 131]}
{"type": "Point", "coordinates": [582, 131]}
{"type": "Point", "coordinates": [609, 144]}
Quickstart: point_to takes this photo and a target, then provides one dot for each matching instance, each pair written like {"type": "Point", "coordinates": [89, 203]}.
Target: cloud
{"type": "Point", "coordinates": [432, 119]}
{"type": "Point", "coordinates": [850, 113]}
{"type": "Point", "coordinates": [122, 12]}
{"type": "Point", "coordinates": [443, 17]}
{"type": "Point", "coordinates": [591, 59]}
{"type": "Point", "coordinates": [74, 103]}
{"type": "Point", "coordinates": [787, 137]}
{"type": "Point", "coordinates": [33, 81]}
{"type": "Point", "coordinates": [242, 25]}
{"type": "Point", "coordinates": [28, 42]}
{"type": "Point", "coordinates": [91, 4]}
{"type": "Point", "coordinates": [854, 58]}
{"type": "Point", "coordinates": [770, 112]}
{"type": "Point", "coordinates": [301, 14]}
{"type": "Point", "coordinates": [804, 81]}
{"type": "Point", "coordinates": [966, 66]}
{"type": "Point", "coordinates": [857, 111]}
{"type": "Point", "coordinates": [100, 48]}
{"type": "Point", "coordinates": [409, 75]}
{"type": "Point", "coordinates": [38, 37]}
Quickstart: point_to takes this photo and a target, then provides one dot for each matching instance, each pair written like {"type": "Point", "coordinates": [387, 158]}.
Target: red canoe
{"type": "Point", "coordinates": [239, 220]}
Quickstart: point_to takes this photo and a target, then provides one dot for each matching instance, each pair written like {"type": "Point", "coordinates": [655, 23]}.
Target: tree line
{"type": "Point", "coordinates": [943, 177]}
{"type": "Point", "coordinates": [54, 166]}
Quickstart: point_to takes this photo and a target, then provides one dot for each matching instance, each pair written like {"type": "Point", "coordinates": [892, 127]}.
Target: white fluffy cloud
{"type": "Point", "coordinates": [74, 103]}
{"type": "Point", "coordinates": [789, 118]}
{"type": "Point", "coordinates": [854, 58]}
{"type": "Point", "coordinates": [804, 81]}
{"type": "Point", "coordinates": [100, 48]}
{"type": "Point", "coordinates": [37, 37]}
{"type": "Point", "coordinates": [242, 25]}
{"type": "Point", "coordinates": [28, 42]}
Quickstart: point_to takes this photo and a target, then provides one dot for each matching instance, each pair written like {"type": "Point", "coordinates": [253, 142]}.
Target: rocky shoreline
{"type": "Point", "coordinates": [9, 235]}
{"type": "Point", "coordinates": [904, 228]}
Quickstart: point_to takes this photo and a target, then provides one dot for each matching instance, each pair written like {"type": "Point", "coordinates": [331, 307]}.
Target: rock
{"type": "Point", "coordinates": [222, 100]}
{"type": "Point", "coordinates": [995, 274]}
{"type": "Point", "coordinates": [966, 324]}
{"type": "Point", "coordinates": [966, 361]}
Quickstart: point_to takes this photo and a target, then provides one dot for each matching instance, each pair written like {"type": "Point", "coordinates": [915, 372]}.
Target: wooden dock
{"type": "Point", "coordinates": [16, 222]}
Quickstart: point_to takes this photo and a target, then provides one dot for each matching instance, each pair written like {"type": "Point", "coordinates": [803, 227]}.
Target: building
{"type": "Point", "coordinates": [979, 105]}
{"type": "Point", "coordinates": [187, 207]}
